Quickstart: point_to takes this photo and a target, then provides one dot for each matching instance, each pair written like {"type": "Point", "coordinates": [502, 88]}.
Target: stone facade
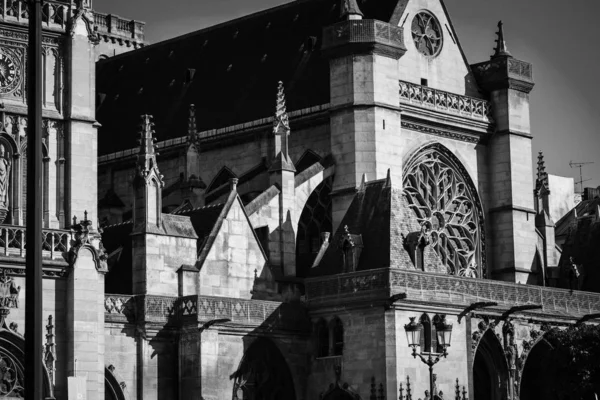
{"type": "Point", "coordinates": [272, 239]}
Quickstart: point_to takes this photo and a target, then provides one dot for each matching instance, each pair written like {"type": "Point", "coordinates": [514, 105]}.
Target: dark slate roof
{"type": "Point", "coordinates": [371, 214]}
{"type": "Point", "coordinates": [584, 208]}
{"type": "Point", "coordinates": [117, 242]}
{"type": "Point", "coordinates": [236, 68]}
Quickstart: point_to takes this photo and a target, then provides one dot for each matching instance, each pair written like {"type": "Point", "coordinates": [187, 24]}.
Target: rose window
{"type": "Point", "coordinates": [446, 208]}
{"type": "Point", "coordinates": [427, 34]}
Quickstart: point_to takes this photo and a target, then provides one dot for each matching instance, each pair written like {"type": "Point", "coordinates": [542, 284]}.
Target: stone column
{"type": "Point", "coordinates": [365, 113]}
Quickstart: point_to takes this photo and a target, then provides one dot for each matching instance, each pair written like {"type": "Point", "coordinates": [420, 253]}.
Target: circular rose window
{"type": "Point", "coordinates": [427, 34]}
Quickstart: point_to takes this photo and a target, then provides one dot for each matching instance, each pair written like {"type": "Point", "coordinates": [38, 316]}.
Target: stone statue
{"type": "Point", "coordinates": [4, 183]}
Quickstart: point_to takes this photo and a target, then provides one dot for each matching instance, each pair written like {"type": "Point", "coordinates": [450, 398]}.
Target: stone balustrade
{"type": "Point", "coordinates": [365, 31]}
{"type": "Point", "coordinates": [54, 12]}
{"type": "Point", "coordinates": [55, 242]}
{"type": "Point", "coordinates": [446, 102]}
{"type": "Point", "coordinates": [120, 28]}
{"type": "Point", "coordinates": [448, 290]}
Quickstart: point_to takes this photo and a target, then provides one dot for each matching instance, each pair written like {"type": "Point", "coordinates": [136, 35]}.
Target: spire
{"type": "Point", "coordinates": [146, 159]}
{"type": "Point", "coordinates": [192, 130]}
{"type": "Point", "coordinates": [350, 10]}
{"type": "Point", "coordinates": [281, 130]}
{"type": "Point", "coordinates": [501, 50]}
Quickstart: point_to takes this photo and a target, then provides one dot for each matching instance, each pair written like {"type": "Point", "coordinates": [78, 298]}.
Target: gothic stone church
{"type": "Point", "coordinates": [255, 210]}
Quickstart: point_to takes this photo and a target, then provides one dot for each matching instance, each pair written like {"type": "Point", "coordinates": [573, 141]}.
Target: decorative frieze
{"type": "Point", "coordinates": [446, 102]}
{"type": "Point", "coordinates": [440, 132]}
{"type": "Point", "coordinates": [163, 309]}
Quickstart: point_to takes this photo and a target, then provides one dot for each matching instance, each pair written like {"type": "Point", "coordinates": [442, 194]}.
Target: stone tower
{"type": "Point", "coordinates": [511, 210]}
{"type": "Point", "coordinates": [365, 117]}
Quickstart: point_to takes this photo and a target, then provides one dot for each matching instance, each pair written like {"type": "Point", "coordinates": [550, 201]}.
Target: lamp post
{"type": "Point", "coordinates": [444, 335]}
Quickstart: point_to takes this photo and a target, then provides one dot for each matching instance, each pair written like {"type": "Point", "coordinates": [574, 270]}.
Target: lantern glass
{"type": "Point", "coordinates": [413, 333]}
{"type": "Point", "coordinates": [444, 333]}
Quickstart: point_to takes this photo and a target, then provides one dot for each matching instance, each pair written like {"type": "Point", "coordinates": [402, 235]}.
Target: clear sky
{"type": "Point", "coordinates": [560, 39]}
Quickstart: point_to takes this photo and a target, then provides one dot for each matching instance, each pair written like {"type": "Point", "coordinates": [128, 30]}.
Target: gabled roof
{"type": "Point", "coordinates": [229, 71]}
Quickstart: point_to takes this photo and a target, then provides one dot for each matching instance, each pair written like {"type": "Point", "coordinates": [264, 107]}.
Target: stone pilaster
{"type": "Point", "coordinates": [511, 210]}
{"type": "Point", "coordinates": [85, 311]}
{"type": "Point", "coordinates": [81, 128]}
{"type": "Point", "coordinates": [365, 115]}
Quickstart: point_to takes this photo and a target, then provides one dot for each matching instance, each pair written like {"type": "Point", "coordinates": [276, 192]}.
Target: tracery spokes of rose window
{"type": "Point", "coordinates": [445, 207]}
{"type": "Point", "coordinates": [11, 378]}
{"type": "Point", "coordinates": [426, 33]}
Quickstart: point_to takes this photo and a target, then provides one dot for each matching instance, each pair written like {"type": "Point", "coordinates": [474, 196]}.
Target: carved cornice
{"type": "Point", "coordinates": [441, 132]}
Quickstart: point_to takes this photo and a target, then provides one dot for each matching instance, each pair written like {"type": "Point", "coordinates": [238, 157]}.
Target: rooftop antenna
{"type": "Point", "coordinates": [580, 166]}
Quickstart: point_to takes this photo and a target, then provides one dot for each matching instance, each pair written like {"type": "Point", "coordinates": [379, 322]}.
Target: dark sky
{"type": "Point", "coordinates": [559, 38]}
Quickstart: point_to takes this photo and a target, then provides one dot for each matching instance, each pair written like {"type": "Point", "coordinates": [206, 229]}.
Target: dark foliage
{"type": "Point", "coordinates": [574, 364]}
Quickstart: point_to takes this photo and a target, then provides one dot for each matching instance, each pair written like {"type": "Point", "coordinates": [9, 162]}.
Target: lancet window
{"type": "Point", "coordinates": [445, 203]}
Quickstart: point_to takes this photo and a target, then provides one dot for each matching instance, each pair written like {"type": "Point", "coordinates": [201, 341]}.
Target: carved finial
{"type": "Point", "coordinates": [85, 214]}
{"type": "Point", "coordinates": [388, 179]}
{"type": "Point", "coordinates": [363, 183]}
{"type": "Point", "coordinates": [542, 175]}
{"type": "Point", "coordinates": [281, 131]}
{"type": "Point", "coordinates": [501, 50]}
{"type": "Point", "coordinates": [192, 130]}
{"type": "Point", "coordinates": [146, 159]}
{"type": "Point", "coordinates": [350, 10]}
{"type": "Point", "coordinates": [281, 123]}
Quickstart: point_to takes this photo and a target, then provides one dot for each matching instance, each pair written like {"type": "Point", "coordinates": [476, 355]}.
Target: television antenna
{"type": "Point", "coordinates": [580, 166]}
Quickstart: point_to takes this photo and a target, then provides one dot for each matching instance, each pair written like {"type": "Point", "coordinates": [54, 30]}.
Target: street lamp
{"type": "Point", "coordinates": [444, 335]}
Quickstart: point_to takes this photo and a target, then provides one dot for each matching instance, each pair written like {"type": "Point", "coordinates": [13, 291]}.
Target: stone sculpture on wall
{"type": "Point", "coordinates": [4, 183]}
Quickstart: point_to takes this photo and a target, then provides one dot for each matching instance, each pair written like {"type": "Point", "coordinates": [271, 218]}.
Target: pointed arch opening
{"type": "Point", "coordinates": [315, 220]}
{"type": "Point", "coordinates": [322, 338]}
{"type": "Point", "coordinates": [307, 159]}
{"type": "Point", "coordinates": [222, 178]}
{"type": "Point", "coordinates": [538, 372]}
{"type": "Point", "coordinates": [490, 370]}
{"type": "Point", "coordinates": [337, 337]}
{"type": "Point", "coordinates": [446, 204]}
{"type": "Point", "coordinates": [263, 374]}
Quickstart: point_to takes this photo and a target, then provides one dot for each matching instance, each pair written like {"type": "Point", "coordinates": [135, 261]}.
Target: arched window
{"type": "Point", "coordinates": [322, 339]}
{"type": "Point", "coordinates": [337, 331]}
{"type": "Point", "coordinates": [445, 202]}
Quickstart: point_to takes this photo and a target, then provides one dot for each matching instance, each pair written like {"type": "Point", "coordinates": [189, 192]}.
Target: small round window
{"type": "Point", "coordinates": [427, 34]}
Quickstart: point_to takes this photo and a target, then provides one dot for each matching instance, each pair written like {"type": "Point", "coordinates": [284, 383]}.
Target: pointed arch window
{"type": "Point", "coordinates": [445, 202]}
{"type": "Point", "coordinates": [322, 339]}
{"type": "Point", "coordinates": [338, 337]}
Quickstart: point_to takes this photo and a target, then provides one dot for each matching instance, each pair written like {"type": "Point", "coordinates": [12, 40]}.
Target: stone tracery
{"type": "Point", "coordinates": [446, 205]}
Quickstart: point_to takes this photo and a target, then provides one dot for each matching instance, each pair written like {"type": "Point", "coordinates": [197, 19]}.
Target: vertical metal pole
{"type": "Point", "coordinates": [431, 394]}
{"type": "Point", "coordinates": [33, 276]}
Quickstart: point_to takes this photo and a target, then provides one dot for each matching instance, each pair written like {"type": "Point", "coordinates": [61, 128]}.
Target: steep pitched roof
{"type": "Point", "coordinates": [229, 71]}
{"type": "Point", "coordinates": [373, 213]}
